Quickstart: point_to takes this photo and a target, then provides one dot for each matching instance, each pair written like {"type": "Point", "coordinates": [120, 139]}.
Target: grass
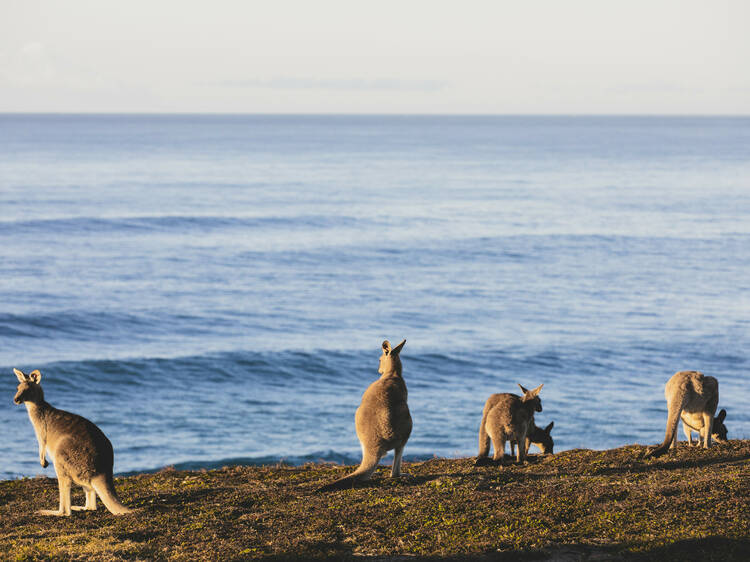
{"type": "Point", "coordinates": [575, 505]}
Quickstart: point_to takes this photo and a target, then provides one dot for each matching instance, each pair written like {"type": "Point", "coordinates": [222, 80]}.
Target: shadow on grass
{"type": "Point", "coordinates": [709, 548]}
{"type": "Point", "coordinates": [664, 463]}
{"type": "Point", "coordinates": [509, 460]}
{"type": "Point", "coordinates": [138, 536]}
{"type": "Point", "coordinates": [498, 473]}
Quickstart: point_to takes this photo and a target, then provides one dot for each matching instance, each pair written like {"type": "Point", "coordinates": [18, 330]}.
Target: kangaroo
{"type": "Point", "coordinates": [693, 397]}
{"type": "Point", "coordinates": [80, 451]}
{"type": "Point", "coordinates": [382, 420]}
{"type": "Point", "coordinates": [718, 433]}
{"type": "Point", "coordinates": [508, 417]}
{"type": "Point", "coordinates": [542, 438]}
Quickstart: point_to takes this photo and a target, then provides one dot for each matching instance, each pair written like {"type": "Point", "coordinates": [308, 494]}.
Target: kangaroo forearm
{"type": "Point", "coordinates": [42, 451]}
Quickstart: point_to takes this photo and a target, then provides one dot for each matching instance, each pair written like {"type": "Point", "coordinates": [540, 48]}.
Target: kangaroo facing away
{"type": "Point", "coordinates": [508, 417]}
{"type": "Point", "coordinates": [80, 451]}
{"type": "Point", "coordinates": [542, 438]}
{"type": "Point", "coordinates": [382, 420]}
{"type": "Point", "coordinates": [693, 397]}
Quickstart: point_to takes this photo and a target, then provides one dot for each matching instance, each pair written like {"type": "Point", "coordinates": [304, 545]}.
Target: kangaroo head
{"type": "Point", "coordinates": [719, 432]}
{"type": "Point", "coordinates": [546, 444]}
{"type": "Point", "coordinates": [532, 397]}
{"type": "Point", "coordinates": [29, 389]}
{"type": "Point", "coordinates": [390, 362]}
{"type": "Point", "coordinates": [542, 438]}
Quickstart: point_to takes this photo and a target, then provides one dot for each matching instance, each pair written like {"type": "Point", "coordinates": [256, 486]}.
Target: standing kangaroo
{"type": "Point", "coordinates": [693, 397]}
{"type": "Point", "coordinates": [80, 451]}
{"type": "Point", "coordinates": [542, 438]}
{"type": "Point", "coordinates": [508, 417]}
{"type": "Point", "coordinates": [382, 420]}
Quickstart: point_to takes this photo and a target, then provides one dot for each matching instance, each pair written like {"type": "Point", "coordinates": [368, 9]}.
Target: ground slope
{"type": "Point", "coordinates": [575, 505]}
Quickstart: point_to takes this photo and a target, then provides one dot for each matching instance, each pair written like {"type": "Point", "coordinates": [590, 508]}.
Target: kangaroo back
{"type": "Point", "coordinates": [382, 421]}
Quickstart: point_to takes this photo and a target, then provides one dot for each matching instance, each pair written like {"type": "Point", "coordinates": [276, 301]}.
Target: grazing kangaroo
{"type": "Point", "coordinates": [508, 417]}
{"type": "Point", "coordinates": [542, 438]}
{"type": "Point", "coordinates": [382, 420]}
{"type": "Point", "coordinates": [693, 397]}
{"type": "Point", "coordinates": [80, 451]}
{"type": "Point", "coordinates": [718, 433]}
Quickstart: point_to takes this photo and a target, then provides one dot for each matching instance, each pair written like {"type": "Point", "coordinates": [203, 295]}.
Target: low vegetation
{"type": "Point", "coordinates": [575, 505]}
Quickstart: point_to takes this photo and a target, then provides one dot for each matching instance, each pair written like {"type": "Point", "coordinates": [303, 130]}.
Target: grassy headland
{"type": "Point", "coordinates": [575, 505]}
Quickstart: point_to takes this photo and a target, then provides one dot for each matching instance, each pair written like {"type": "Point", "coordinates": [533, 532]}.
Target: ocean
{"type": "Point", "coordinates": [214, 289]}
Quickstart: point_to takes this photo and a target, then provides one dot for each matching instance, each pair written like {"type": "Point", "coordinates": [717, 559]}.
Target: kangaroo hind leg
{"type": "Point", "coordinates": [64, 483]}
{"type": "Point", "coordinates": [522, 449]}
{"type": "Point", "coordinates": [708, 427]}
{"type": "Point", "coordinates": [688, 433]}
{"type": "Point", "coordinates": [90, 500]}
{"type": "Point", "coordinates": [498, 443]}
{"type": "Point", "coordinates": [396, 468]}
{"type": "Point", "coordinates": [484, 439]}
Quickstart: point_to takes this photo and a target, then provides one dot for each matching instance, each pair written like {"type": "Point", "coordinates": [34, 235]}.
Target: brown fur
{"type": "Point", "coordinates": [542, 438]}
{"type": "Point", "coordinates": [80, 451]}
{"type": "Point", "coordinates": [692, 397]}
{"type": "Point", "coordinates": [507, 417]}
{"type": "Point", "coordinates": [382, 420]}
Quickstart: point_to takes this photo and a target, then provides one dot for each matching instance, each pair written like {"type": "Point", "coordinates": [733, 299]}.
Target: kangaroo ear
{"type": "Point", "coordinates": [549, 427]}
{"type": "Point", "coordinates": [386, 347]}
{"type": "Point", "coordinates": [722, 415]}
{"type": "Point", "coordinates": [19, 374]}
{"type": "Point", "coordinates": [534, 393]}
{"type": "Point", "coordinates": [35, 376]}
{"type": "Point", "coordinates": [522, 388]}
{"type": "Point", "coordinates": [396, 350]}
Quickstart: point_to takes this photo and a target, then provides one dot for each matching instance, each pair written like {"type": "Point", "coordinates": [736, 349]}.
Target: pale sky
{"type": "Point", "coordinates": [351, 56]}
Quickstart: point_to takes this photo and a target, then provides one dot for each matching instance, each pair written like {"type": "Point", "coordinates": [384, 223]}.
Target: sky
{"type": "Point", "coordinates": [352, 56]}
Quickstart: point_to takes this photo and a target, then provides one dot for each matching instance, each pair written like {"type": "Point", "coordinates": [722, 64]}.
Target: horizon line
{"type": "Point", "coordinates": [372, 114]}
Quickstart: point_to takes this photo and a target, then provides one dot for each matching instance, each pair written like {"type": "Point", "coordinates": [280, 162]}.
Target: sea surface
{"type": "Point", "coordinates": [215, 289]}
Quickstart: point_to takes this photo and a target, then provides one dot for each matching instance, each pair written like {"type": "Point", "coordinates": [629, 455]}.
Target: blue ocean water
{"type": "Point", "coordinates": [215, 289]}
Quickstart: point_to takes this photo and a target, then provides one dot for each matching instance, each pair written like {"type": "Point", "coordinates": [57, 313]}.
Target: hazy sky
{"type": "Point", "coordinates": [350, 56]}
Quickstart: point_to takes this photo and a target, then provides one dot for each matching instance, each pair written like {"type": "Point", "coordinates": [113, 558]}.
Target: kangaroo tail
{"type": "Point", "coordinates": [363, 473]}
{"type": "Point", "coordinates": [673, 418]}
{"type": "Point", "coordinates": [105, 489]}
{"type": "Point", "coordinates": [484, 438]}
